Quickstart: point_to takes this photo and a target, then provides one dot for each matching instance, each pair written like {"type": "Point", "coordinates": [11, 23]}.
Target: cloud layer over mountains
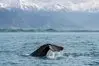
{"type": "Point", "coordinates": [67, 5]}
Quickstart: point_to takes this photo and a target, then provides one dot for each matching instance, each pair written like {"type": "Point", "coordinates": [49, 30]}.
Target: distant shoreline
{"type": "Point", "coordinates": [45, 30]}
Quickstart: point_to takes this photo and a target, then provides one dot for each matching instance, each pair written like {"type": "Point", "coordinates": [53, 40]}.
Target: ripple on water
{"type": "Point", "coordinates": [80, 49]}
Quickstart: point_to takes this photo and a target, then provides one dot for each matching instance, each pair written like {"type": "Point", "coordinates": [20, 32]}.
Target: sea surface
{"type": "Point", "coordinates": [80, 49]}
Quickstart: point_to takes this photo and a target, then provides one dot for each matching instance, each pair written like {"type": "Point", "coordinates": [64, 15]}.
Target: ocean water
{"type": "Point", "coordinates": [80, 49]}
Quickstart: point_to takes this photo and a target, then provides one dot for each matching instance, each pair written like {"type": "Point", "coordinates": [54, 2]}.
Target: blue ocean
{"type": "Point", "coordinates": [80, 48]}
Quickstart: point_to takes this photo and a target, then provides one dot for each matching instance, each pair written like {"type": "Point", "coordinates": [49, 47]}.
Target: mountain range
{"type": "Point", "coordinates": [54, 14]}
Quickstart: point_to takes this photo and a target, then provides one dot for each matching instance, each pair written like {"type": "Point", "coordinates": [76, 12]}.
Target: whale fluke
{"type": "Point", "coordinates": [43, 50]}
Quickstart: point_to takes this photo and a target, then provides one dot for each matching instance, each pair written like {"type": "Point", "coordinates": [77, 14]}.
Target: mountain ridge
{"type": "Point", "coordinates": [41, 19]}
{"type": "Point", "coordinates": [17, 18]}
{"type": "Point", "coordinates": [45, 14]}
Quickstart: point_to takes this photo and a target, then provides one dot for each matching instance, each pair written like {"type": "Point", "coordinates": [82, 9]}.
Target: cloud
{"type": "Point", "coordinates": [73, 5]}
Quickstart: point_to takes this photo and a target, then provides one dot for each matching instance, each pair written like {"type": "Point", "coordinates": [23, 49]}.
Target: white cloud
{"type": "Point", "coordinates": [74, 5]}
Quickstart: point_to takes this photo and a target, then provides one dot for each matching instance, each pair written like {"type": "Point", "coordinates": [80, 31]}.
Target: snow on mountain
{"type": "Point", "coordinates": [49, 14]}
{"type": "Point", "coordinates": [67, 5]}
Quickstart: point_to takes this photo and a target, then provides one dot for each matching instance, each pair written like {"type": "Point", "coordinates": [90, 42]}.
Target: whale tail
{"type": "Point", "coordinates": [43, 50]}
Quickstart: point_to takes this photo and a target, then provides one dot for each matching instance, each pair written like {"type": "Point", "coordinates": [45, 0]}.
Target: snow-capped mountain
{"type": "Point", "coordinates": [45, 14]}
{"type": "Point", "coordinates": [52, 5]}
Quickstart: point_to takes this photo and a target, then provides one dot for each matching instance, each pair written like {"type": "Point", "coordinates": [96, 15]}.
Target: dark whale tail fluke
{"type": "Point", "coordinates": [42, 50]}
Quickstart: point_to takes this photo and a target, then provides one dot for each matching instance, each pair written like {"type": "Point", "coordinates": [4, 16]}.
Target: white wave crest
{"type": "Point", "coordinates": [54, 55]}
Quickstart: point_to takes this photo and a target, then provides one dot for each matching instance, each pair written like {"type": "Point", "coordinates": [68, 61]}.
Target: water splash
{"type": "Point", "coordinates": [54, 55]}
